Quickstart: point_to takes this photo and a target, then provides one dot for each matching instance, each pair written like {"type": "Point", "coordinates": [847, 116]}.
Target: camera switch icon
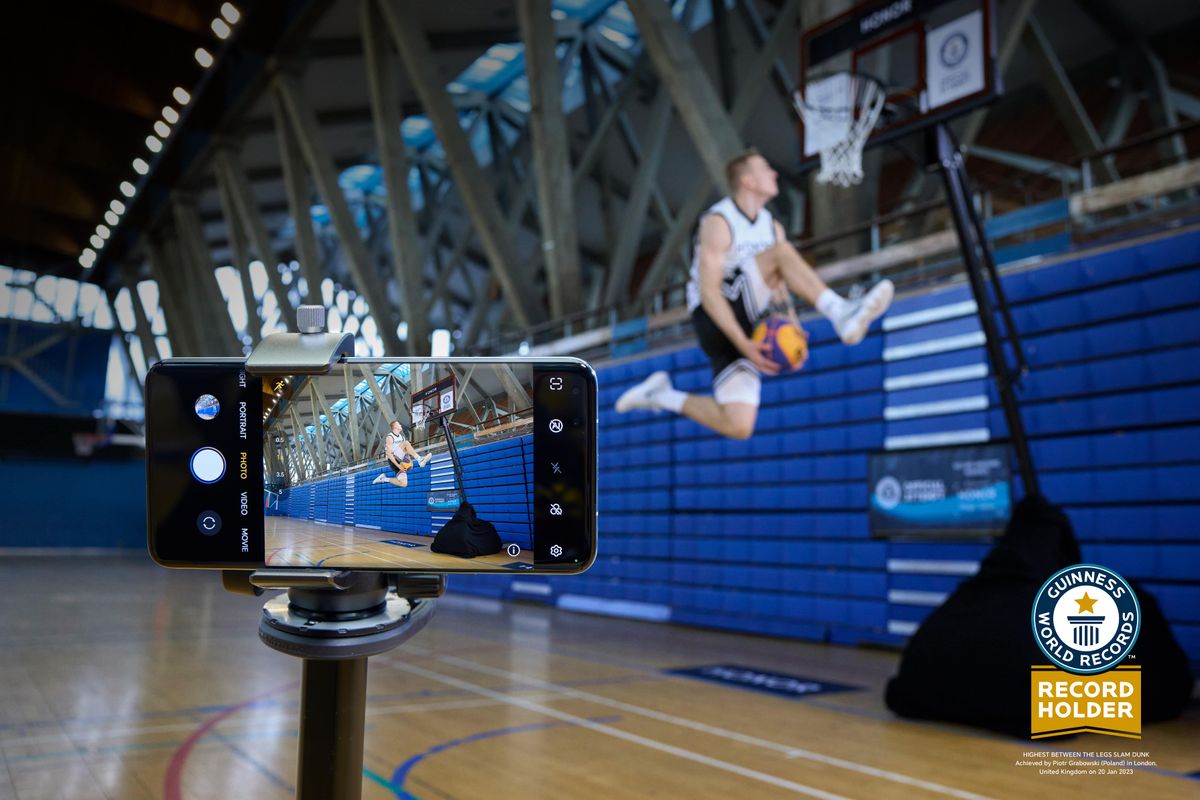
{"type": "Point", "coordinates": [209, 523]}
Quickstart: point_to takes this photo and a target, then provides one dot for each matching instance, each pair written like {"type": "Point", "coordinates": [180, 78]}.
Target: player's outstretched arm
{"type": "Point", "coordinates": [715, 241]}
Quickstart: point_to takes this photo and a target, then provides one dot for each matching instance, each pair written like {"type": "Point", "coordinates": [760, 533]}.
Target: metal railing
{"type": "Point", "coordinates": [664, 306]}
{"type": "Point", "coordinates": [1178, 134]}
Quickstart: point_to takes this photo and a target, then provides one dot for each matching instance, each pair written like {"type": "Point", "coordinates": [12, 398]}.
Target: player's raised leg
{"type": "Point", "coordinates": [734, 419]}
{"type": "Point", "coordinates": [851, 318]}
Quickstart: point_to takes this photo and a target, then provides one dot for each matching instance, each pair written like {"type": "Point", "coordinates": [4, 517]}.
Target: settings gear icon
{"type": "Point", "coordinates": [555, 550]}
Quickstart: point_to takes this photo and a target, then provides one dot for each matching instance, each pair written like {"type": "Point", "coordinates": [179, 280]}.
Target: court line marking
{"type": "Point", "coordinates": [787, 750]}
{"type": "Point", "coordinates": [578, 654]}
{"type": "Point", "coordinates": [173, 780]}
{"type": "Point", "coordinates": [400, 775]}
{"type": "Point", "coordinates": [80, 741]}
{"type": "Point", "coordinates": [617, 733]}
{"type": "Point", "coordinates": [88, 740]}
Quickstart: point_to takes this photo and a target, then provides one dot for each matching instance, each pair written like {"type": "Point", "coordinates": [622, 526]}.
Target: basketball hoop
{"type": "Point", "coordinates": [839, 112]}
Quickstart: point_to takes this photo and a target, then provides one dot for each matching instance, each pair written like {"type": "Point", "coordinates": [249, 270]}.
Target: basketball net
{"type": "Point", "coordinates": [839, 113]}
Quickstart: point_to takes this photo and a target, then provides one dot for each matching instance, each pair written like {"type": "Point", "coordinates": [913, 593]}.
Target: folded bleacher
{"type": "Point", "coordinates": [770, 535]}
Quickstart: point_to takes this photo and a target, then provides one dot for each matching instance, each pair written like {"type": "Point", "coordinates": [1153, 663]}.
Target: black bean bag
{"type": "Point", "coordinates": [466, 535]}
{"type": "Point", "coordinates": [969, 661]}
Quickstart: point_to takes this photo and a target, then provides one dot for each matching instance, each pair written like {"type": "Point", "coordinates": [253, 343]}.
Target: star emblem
{"type": "Point", "coordinates": [1086, 603]}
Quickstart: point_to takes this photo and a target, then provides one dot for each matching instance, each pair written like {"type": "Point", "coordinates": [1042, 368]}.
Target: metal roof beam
{"type": "Point", "coordinates": [669, 46]}
{"type": "Point", "coordinates": [304, 125]}
{"type": "Point", "coordinates": [480, 202]}
{"type": "Point", "coordinates": [407, 264]}
{"type": "Point", "coordinates": [551, 157]}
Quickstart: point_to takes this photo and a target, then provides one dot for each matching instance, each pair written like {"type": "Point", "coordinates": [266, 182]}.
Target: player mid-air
{"type": "Point", "coordinates": [742, 261]}
{"type": "Point", "coordinates": [401, 455]}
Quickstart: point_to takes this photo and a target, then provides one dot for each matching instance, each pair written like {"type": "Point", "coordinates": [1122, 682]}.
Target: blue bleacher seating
{"type": "Point", "coordinates": [770, 535]}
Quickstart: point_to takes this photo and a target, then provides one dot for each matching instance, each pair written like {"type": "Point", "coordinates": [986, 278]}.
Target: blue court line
{"type": "Point", "coordinates": [321, 563]}
{"type": "Point", "coordinates": [401, 774]}
{"type": "Point", "coordinates": [385, 783]}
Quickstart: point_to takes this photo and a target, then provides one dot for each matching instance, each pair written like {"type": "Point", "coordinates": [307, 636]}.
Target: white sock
{"type": "Point", "coordinates": [831, 304]}
{"type": "Point", "coordinates": [671, 400]}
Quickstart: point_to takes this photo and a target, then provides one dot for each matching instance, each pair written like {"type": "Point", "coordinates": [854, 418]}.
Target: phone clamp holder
{"type": "Point", "coordinates": [332, 619]}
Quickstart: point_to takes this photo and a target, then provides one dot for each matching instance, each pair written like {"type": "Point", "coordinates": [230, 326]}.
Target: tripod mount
{"type": "Point", "coordinates": [332, 619]}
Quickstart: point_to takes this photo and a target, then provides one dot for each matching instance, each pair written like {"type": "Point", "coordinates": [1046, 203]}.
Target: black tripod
{"type": "Point", "coordinates": [333, 619]}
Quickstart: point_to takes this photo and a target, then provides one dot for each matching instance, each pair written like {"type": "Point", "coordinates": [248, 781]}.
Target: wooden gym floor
{"type": "Point", "coordinates": [302, 543]}
{"type": "Point", "coordinates": [122, 680]}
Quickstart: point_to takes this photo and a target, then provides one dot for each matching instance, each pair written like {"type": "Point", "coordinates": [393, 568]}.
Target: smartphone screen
{"type": "Point", "coordinates": [422, 465]}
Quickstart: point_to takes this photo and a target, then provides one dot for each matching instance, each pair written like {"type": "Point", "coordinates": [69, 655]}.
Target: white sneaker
{"type": "Point", "coordinates": [860, 313]}
{"type": "Point", "coordinates": [380, 478]}
{"type": "Point", "coordinates": [643, 395]}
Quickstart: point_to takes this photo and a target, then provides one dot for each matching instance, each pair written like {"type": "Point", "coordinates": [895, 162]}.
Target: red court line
{"type": "Point", "coordinates": [172, 783]}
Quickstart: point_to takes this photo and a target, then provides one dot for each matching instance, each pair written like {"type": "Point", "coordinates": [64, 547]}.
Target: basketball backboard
{"type": "Point", "coordinates": [434, 401]}
{"type": "Point", "coordinates": [935, 58]}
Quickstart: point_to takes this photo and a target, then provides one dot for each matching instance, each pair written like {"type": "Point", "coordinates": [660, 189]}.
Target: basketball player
{"type": "Point", "coordinates": [401, 455]}
{"type": "Point", "coordinates": [742, 259]}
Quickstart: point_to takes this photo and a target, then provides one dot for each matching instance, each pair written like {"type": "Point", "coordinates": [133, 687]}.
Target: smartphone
{"type": "Point", "coordinates": [428, 465]}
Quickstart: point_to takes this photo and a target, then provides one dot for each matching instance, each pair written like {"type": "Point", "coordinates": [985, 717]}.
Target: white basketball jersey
{"type": "Point", "coordinates": [397, 446]}
{"type": "Point", "coordinates": [743, 282]}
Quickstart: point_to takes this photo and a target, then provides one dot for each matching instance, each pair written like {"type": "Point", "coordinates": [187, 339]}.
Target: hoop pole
{"type": "Point", "coordinates": [333, 700]}
{"type": "Point", "coordinates": [975, 255]}
{"type": "Point", "coordinates": [458, 473]}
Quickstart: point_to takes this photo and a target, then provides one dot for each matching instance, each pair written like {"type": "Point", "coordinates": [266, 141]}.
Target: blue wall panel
{"type": "Point", "coordinates": [102, 504]}
{"type": "Point", "coordinates": [73, 363]}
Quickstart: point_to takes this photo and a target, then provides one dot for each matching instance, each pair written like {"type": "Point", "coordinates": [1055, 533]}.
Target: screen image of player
{"type": "Point", "coordinates": [415, 466]}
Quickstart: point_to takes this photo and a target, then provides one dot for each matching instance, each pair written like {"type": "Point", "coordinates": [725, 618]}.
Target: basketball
{"type": "Point", "coordinates": [789, 345]}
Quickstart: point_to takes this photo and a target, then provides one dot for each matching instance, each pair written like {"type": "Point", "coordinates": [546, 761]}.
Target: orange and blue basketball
{"type": "Point", "coordinates": [789, 346]}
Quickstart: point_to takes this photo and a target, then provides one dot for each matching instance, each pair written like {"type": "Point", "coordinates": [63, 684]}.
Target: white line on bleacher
{"type": "Point", "coordinates": [935, 377]}
{"type": "Point", "coordinates": [901, 627]}
{"type": "Point", "coordinates": [927, 315]}
{"type": "Point", "coordinates": [525, 587]}
{"type": "Point", "coordinates": [928, 566]}
{"type": "Point", "coordinates": [908, 441]}
{"type": "Point", "coordinates": [913, 597]}
{"type": "Point", "coordinates": [955, 405]}
{"type": "Point", "coordinates": [942, 345]}
{"type": "Point", "coordinates": [629, 609]}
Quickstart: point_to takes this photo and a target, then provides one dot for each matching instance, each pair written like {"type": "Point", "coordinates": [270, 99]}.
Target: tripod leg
{"type": "Point", "coordinates": [333, 713]}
